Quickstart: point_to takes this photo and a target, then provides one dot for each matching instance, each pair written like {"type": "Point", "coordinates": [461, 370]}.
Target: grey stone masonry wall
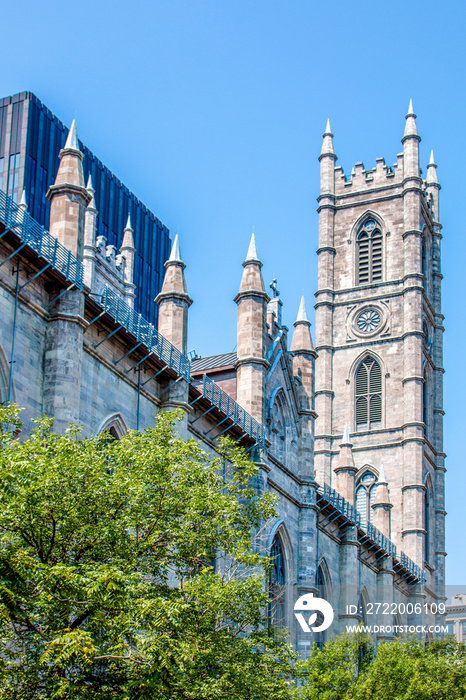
{"type": "Point", "coordinates": [405, 339]}
{"type": "Point", "coordinates": [71, 356]}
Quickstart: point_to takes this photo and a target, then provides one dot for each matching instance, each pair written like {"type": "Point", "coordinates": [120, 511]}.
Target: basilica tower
{"type": "Point", "coordinates": [379, 342]}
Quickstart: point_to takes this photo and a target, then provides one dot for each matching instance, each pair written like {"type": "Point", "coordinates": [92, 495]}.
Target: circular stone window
{"type": "Point", "coordinates": [368, 320]}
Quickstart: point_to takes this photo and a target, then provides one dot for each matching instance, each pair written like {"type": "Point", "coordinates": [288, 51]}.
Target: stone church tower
{"type": "Point", "coordinates": [379, 345]}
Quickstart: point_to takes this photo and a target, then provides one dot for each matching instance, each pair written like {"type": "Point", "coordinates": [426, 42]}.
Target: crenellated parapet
{"type": "Point", "coordinates": [110, 269]}
{"type": "Point", "coordinates": [362, 180]}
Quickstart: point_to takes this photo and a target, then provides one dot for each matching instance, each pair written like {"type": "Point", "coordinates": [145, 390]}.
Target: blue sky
{"type": "Point", "coordinates": [212, 112]}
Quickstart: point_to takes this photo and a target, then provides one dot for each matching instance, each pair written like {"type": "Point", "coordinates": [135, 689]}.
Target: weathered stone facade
{"type": "Point", "coordinates": [79, 352]}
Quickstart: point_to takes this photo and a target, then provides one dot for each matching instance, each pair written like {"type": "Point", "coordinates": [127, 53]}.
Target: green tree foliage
{"type": "Point", "coordinates": [106, 584]}
{"type": "Point", "coordinates": [348, 668]}
{"type": "Point", "coordinates": [412, 670]}
{"type": "Point", "coordinates": [330, 673]}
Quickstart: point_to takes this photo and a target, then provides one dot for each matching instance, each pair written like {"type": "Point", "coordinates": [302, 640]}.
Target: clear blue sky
{"type": "Point", "coordinates": [212, 112]}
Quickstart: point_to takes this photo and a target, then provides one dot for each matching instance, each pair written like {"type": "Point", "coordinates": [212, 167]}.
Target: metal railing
{"type": "Point", "coordinates": [228, 406]}
{"type": "Point", "coordinates": [145, 333]}
{"type": "Point", "coordinates": [31, 233]}
{"type": "Point", "coordinates": [371, 532]}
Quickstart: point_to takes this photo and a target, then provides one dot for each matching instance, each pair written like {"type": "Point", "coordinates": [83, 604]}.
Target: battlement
{"type": "Point", "coordinates": [109, 267]}
{"type": "Point", "coordinates": [361, 179]}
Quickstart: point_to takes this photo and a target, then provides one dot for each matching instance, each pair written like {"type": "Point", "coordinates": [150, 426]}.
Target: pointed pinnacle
{"type": "Point", "coordinates": [72, 140]}
{"type": "Point", "coordinates": [23, 203]}
{"type": "Point", "coordinates": [128, 226]}
{"type": "Point", "coordinates": [128, 240]}
{"type": "Point", "coordinates": [327, 144]}
{"type": "Point", "coordinates": [302, 313]}
{"type": "Point", "coordinates": [252, 250]}
{"type": "Point", "coordinates": [432, 178]}
{"type": "Point", "coordinates": [175, 255]}
{"type": "Point", "coordinates": [89, 186]}
{"type": "Point", "coordinates": [410, 128]}
{"type": "Point", "coordinates": [382, 479]}
{"type": "Point", "coordinates": [410, 110]}
{"type": "Point", "coordinates": [346, 438]}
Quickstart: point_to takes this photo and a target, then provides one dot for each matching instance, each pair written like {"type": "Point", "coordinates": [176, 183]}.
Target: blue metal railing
{"type": "Point", "coordinates": [228, 406]}
{"type": "Point", "coordinates": [145, 333]}
{"type": "Point", "coordinates": [32, 234]}
{"type": "Point", "coordinates": [39, 240]}
{"type": "Point", "coordinates": [352, 515]}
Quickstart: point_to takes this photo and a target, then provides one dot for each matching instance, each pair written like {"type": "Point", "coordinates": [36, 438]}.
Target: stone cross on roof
{"type": "Point", "coordinates": [274, 287]}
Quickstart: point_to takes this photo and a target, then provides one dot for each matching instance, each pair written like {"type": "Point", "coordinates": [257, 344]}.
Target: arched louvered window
{"type": "Point", "coordinates": [369, 252]}
{"type": "Point", "coordinates": [365, 494]}
{"type": "Point", "coordinates": [277, 584]}
{"type": "Point", "coordinates": [368, 394]}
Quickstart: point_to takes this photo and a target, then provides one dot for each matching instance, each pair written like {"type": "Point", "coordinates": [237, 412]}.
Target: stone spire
{"type": "Point", "coordinates": [410, 128]}
{"type": "Point", "coordinates": [304, 357]}
{"type": "Point", "coordinates": [382, 505]}
{"type": "Point", "coordinates": [252, 275]}
{"type": "Point", "coordinates": [128, 251]}
{"type": "Point", "coordinates": [90, 231]}
{"type": "Point", "coordinates": [410, 143]}
{"type": "Point", "coordinates": [252, 250]}
{"type": "Point", "coordinates": [23, 203]}
{"type": "Point", "coordinates": [302, 340]}
{"type": "Point", "coordinates": [174, 300]}
{"type": "Point", "coordinates": [432, 186]}
{"type": "Point", "coordinates": [327, 145]}
{"type": "Point", "coordinates": [327, 160]}
{"type": "Point", "coordinates": [69, 197]}
{"type": "Point", "coordinates": [72, 138]}
{"type": "Point", "coordinates": [91, 191]}
{"type": "Point", "coordinates": [251, 329]}
{"type": "Point", "coordinates": [345, 470]}
{"type": "Point", "coordinates": [128, 241]}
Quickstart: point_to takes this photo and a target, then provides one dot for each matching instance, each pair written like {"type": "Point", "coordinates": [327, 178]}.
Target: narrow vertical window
{"type": "Point", "coordinates": [277, 584]}
{"type": "Point", "coordinates": [323, 586]}
{"type": "Point", "coordinates": [369, 253]}
{"type": "Point", "coordinates": [365, 494]}
{"type": "Point", "coordinates": [368, 394]}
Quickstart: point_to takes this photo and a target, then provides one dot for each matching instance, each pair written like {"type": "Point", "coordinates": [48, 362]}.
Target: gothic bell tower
{"type": "Point", "coordinates": [379, 333]}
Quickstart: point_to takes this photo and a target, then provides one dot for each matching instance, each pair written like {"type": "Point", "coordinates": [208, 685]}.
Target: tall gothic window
{"type": "Point", "coordinates": [277, 584]}
{"type": "Point", "coordinates": [369, 252]}
{"type": "Point", "coordinates": [324, 587]}
{"type": "Point", "coordinates": [365, 494]}
{"type": "Point", "coordinates": [368, 394]}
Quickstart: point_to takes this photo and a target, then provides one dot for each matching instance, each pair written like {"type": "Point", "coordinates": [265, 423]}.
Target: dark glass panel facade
{"type": "Point", "coordinates": [30, 140]}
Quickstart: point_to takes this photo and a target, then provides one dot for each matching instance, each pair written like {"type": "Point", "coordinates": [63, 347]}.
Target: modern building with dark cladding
{"type": "Point", "coordinates": [30, 140]}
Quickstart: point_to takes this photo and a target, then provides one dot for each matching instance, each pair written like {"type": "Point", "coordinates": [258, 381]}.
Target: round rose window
{"type": "Point", "coordinates": [368, 320]}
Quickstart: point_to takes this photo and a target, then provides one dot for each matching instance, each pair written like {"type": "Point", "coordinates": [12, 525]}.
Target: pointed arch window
{"type": "Point", "coordinates": [369, 253]}
{"type": "Point", "coordinates": [368, 394]}
{"type": "Point", "coordinates": [365, 494]}
{"type": "Point", "coordinates": [323, 586]}
{"type": "Point", "coordinates": [277, 583]}
{"type": "Point", "coordinates": [115, 427]}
